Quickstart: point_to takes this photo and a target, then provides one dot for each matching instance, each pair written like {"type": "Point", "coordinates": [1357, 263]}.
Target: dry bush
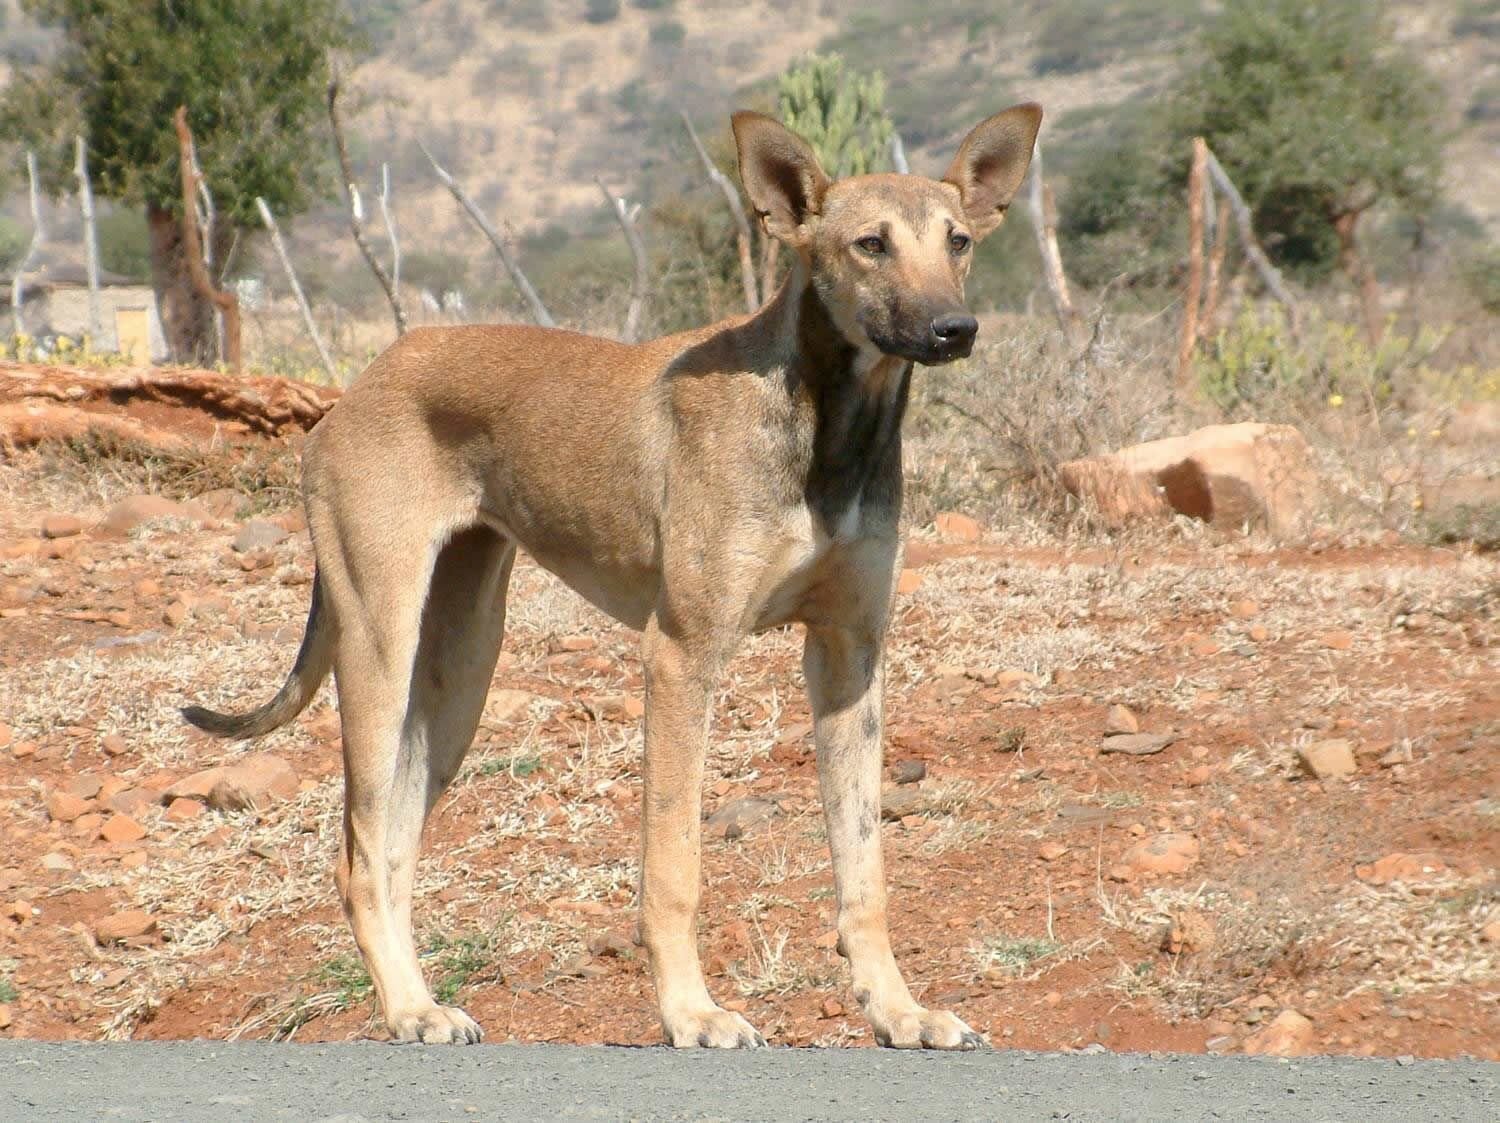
{"type": "Point", "coordinates": [1377, 415]}
{"type": "Point", "coordinates": [104, 467]}
{"type": "Point", "coordinates": [987, 436]}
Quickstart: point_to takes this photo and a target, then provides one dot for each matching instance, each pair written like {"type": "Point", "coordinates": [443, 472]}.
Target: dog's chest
{"type": "Point", "coordinates": [803, 556]}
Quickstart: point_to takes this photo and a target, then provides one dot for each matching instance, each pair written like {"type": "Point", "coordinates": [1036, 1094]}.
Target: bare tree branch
{"type": "Point", "coordinates": [38, 235]}
{"type": "Point", "coordinates": [898, 155]}
{"type": "Point", "coordinates": [1188, 338]}
{"type": "Point", "coordinates": [389, 218]}
{"type": "Point", "coordinates": [539, 311]}
{"type": "Point", "coordinates": [222, 299]}
{"type": "Point", "coordinates": [1268, 272]}
{"type": "Point", "coordinates": [1220, 243]}
{"type": "Point", "coordinates": [291, 276]}
{"type": "Point", "coordinates": [736, 208]}
{"type": "Point", "coordinates": [90, 234]}
{"type": "Point", "coordinates": [356, 209]}
{"type": "Point", "coordinates": [1044, 225]}
{"type": "Point", "coordinates": [642, 277]}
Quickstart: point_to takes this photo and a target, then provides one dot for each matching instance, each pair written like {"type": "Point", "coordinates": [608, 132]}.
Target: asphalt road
{"type": "Point", "coordinates": [536, 1083]}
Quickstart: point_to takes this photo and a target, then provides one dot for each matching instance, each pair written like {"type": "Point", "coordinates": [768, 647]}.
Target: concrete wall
{"type": "Point", "coordinates": [65, 310]}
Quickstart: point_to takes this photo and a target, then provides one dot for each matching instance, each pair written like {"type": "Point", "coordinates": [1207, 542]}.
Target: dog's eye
{"type": "Point", "coordinates": [958, 243]}
{"type": "Point", "coordinates": [872, 244]}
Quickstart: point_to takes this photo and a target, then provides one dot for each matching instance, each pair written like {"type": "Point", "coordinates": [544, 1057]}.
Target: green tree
{"type": "Point", "coordinates": [1315, 112]}
{"type": "Point", "coordinates": [253, 75]}
{"type": "Point", "coordinates": [840, 113]}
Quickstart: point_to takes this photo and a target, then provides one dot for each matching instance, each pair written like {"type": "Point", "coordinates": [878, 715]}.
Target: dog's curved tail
{"type": "Point", "coordinates": [314, 659]}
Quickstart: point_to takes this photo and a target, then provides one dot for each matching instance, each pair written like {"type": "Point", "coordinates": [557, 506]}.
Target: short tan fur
{"type": "Point", "coordinates": [698, 487]}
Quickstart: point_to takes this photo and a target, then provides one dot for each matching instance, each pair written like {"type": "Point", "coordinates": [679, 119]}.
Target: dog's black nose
{"type": "Point", "coordinates": [955, 328]}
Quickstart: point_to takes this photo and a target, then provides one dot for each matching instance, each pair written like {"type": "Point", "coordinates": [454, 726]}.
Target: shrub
{"type": "Point", "coordinates": [1481, 274]}
{"type": "Point", "coordinates": [667, 33]}
{"type": "Point", "coordinates": [840, 113]}
{"type": "Point", "coordinates": [601, 11]}
{"type": "Point", "coordinates": [124, 243]}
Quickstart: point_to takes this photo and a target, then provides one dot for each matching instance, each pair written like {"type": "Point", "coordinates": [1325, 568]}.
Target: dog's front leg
{"type": "Point", "coordinates": [679, 681]}
{"type": "Point", "coordinates": [845, 682]}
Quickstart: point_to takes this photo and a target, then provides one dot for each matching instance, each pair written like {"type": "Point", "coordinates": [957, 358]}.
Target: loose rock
{"type": "Point", "coordinates": [256, 535]}
{"type": "Point", "coordinates": [909, 771]}
{"type": "Point", "coordinates": [1328, 760]}
{"type": "Point", "coordinates": [1402, 867]}
{"type": "Point", "coordinates": [955, 527]}
{"type": "Point", "coordinates": [1168, 853]}
{"type": "Point", "coordinates": [507, 705]}
{"type": "Point", "coordinates": [131, 512]}
{"type": "Point", "coordinates": [738, 816]}
{"type": "Point", "coordinates": [124, 926]}
{"type": "Point", "coordinates": [63, 807]}
{"type": "Point", "coordinates": [1051, 851]}
{"type": "Point", "coordinates": [255, 783]}
{"type": "Point", "coordinates": [1338, 641]}
{"type": "Point", "coordinates": [122, 828]}
{"type": "Point", "coordinates": [1225, 474]}
{"type": "Point", "coordinates": [611, 944]}
{"type": "Point", "coordinates": [1137, 744]}
{"type": "Point", "coordinates": [903, 802]}
{"type": "Point", "coordinates": [1288, 1034]}
{"type": "Point", "coordinates": [184, 810]}
{"type": "Point", "coordinates": [1120, 720]}
{"type": "Point", "coordinates": [61, 526]}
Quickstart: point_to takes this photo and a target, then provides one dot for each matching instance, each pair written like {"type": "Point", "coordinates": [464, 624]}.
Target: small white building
{"type": "Point", "coordinates": [55, 301]}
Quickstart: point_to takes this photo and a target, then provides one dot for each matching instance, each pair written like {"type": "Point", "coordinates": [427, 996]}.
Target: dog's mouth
{"type": "Point", "coordinates": [944, 339]}
{"type": "Point", "coordinates": [929, 352]}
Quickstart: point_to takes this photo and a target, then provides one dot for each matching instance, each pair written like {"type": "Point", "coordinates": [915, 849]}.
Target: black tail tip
{"type": "Point", "coordinates": [210, 721]}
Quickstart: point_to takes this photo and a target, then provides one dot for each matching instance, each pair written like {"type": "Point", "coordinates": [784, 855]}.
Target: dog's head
{"type": "Point", "coordinates": [888, 254]}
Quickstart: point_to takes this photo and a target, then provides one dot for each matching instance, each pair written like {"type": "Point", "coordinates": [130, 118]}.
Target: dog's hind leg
{"type": "Point", "coordinates": [398, 743]}
{"type": "Point", "coordinates": [463, 623]}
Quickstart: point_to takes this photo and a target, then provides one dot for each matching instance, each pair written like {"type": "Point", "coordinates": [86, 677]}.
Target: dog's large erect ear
{"type": "Point", "coordinates": [780, 173]}
{"type": "Point", "coordinates": [992, 162]}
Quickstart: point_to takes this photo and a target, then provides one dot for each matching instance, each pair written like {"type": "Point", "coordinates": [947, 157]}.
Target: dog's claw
{"type": "Point", "coordinates": [927, 1029]}
{"type": "Point", "coordinates": [441, 1025]}
{"type": "Point", "coordinates": [712, 1029]}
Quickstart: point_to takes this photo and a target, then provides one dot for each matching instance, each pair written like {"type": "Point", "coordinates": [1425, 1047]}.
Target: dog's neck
{"type": "Point", "coordinates": [857, 398]}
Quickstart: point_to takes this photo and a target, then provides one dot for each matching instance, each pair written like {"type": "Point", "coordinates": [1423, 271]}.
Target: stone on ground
{"type": "Point", "coordinates": [1228, 475]}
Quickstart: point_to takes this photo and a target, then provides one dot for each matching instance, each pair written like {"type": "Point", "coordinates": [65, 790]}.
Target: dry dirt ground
{"type": "Point", "coordinates": [1212, 895]}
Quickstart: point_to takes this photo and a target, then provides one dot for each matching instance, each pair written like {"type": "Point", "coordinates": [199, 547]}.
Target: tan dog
{"type": "Point", "coordinates": [698, 487]}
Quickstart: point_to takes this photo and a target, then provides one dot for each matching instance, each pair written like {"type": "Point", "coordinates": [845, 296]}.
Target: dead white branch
{"type": "Point", "coordinates": [389, 218]}
{"type": "Point", "coordinates": [539, 311]}
{"type": "Point", "coordinates": [736, 208]}
{"type": "Point", "coordinates": [898, 155]}
{"type": "Point", "coordinates": [291, 277]}
{"type": "Point", "coordinates": [38, 235]}
{"type": "Point", "coordinates": [90, 234]}
{"type": "Point", "coordinates": [356, 208]}
{"type": "Point", "coordinates": [642, 277]}
{"type": "Point", "coordinates": [1268, 272]}
{"type": "Point", "coordinates": [1044, 225]}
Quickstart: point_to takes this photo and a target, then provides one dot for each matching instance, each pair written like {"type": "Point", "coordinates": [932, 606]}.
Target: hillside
{"type": "Point", "coordinates": [528, 100]}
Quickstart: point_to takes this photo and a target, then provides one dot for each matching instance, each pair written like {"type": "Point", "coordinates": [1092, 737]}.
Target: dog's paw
{"type": "Point", "coordinates": [918, 1028]}
{"type": "Point", "coordinates": [712, 1028]}
{"type": "Point", "coordinates": [437, 1025]}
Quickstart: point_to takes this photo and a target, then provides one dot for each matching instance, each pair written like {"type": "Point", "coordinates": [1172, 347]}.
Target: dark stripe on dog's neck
{"type": "Point", "coordinates": [857, 433]}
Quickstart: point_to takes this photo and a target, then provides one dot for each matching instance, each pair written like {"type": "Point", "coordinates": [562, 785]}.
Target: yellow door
{"type": "Point", "coordinates": [133, 334]}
